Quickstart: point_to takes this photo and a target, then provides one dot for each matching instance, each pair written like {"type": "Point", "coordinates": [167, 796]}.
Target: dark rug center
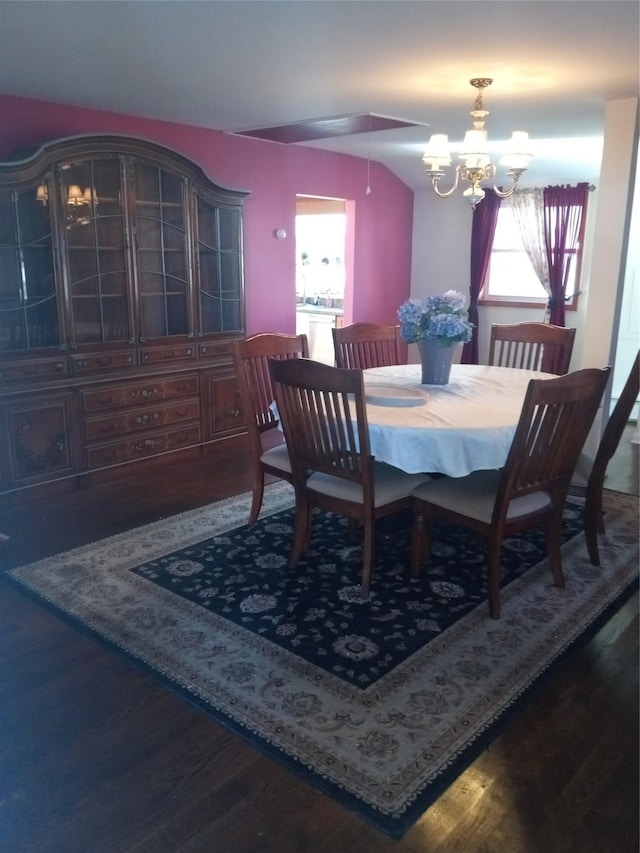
{"type": "Point", "coordinates": [314, 610]}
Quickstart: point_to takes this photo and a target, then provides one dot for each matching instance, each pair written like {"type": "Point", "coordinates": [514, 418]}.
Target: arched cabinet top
{"type": "Point", "coordinates": [27, 166]}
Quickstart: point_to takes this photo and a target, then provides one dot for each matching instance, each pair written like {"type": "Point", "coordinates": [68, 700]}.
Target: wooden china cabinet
{"type": "Point", "coordinates": [121, 287]}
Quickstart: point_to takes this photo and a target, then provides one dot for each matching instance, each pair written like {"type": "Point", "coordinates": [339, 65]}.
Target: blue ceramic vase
{"type": "Point", "coordinates": [436, 361]}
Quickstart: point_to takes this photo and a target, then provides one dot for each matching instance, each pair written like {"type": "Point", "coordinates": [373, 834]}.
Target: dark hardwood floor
{"type": "Point", "coordinates": [97, 755]}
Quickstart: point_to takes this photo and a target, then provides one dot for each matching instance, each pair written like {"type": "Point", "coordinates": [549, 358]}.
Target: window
{"type": "Point", "coordinates": [511, 279]}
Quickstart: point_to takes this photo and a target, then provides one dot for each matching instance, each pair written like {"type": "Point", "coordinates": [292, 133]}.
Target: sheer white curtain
{"type": "Point", "coordinates": [528, 213]}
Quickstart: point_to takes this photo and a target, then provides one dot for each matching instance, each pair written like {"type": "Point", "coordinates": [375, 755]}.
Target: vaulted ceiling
{"type": "Point", "coordinates": [242, 65]}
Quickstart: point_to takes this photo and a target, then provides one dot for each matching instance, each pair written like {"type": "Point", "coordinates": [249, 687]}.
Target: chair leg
{"type": "Point", "coordinates": [302, 531]}
{"type": "Point", "coordinates": [367, 558]}
{"type": "Point", "coordinates": [494, 568]}
{"type": "Point", "coordinates": [256, 500]}
{"type": "Point", "coordinates": [419, 543]}
{"type": "Point", "coordinates": [554, 548]}
{"type": "Point", "coordinates": [593, 524]}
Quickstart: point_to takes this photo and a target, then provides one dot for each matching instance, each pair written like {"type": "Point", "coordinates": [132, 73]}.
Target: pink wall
{"type": "Point", "coordinates": [273, 174]}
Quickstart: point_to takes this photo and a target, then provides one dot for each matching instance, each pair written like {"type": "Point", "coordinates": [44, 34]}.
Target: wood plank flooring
{"type": "Point", "coordinates": [97, 755]}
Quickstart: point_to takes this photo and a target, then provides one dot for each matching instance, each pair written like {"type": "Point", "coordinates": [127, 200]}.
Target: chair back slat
{"type": "Point", "coordinates": [324, 418]}
{"type": "Point", "coordinates": [531, 346]}
{"type": "Point", "coordinates": [251, 361]}
{"type": "Point", "coordinates": [556, 417]}
{"type": "Point", "coordinates": [364, 345]}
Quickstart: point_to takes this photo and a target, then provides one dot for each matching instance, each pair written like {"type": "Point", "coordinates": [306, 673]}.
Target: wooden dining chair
{"type": "Point", "coordinates": [268, 451]}
{"type": "Point", "coordinates": [324, 418]}
{"type": "Point", "coordinates": [364, 345]}
{"type": "Point", "coordinates": [590, 472]}
{"type": "Point", "coordinates": [531, 489]}
{"type": "Point", "coordinates": [531, 346]}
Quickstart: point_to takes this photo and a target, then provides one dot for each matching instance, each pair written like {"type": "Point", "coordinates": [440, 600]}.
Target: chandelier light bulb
{"type": "Point", "coordinates": [75, 195]}
{"type": "Point", "coordinates": [437, 154]}
{"type": "Point", "coordinates": [517, 154]}
{"type": "Point", "coordinates": [475, 145]}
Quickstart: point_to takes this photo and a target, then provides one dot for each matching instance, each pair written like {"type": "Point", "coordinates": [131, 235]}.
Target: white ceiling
{"type": "Point", "coordinates": [254, 63]}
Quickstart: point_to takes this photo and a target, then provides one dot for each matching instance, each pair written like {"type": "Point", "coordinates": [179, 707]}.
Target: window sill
{"type": "Point", "coordinates": [512, 303]}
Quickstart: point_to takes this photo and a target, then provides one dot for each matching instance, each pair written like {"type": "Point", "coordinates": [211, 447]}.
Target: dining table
{"type": "Point", "coordinates": [466, 425]}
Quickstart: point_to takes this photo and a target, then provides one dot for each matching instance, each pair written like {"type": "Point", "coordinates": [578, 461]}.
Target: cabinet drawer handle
{"type": "Point", "coordinates": [146, 444]}
{"type": "Point", "coordinates": [144, 419]}
{"type": "Point", "coordinates": [145, 392]}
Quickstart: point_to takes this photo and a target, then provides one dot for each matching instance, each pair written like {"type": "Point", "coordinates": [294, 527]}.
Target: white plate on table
{"type": "Point", "coordinates": [392, 395]}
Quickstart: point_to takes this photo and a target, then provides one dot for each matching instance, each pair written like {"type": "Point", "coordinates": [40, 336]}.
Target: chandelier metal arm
{"type": "Point", "coordinates": [514, 174]}
{"type": "Point", "coordinates": [435, 180]}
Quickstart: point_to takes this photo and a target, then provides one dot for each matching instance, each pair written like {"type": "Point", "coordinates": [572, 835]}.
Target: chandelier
{"type": "Point", "coordinates": [476, 165]}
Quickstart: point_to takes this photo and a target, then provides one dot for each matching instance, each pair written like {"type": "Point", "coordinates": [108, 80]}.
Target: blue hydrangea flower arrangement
{"type": "Point", "coordinates": [441, 318]}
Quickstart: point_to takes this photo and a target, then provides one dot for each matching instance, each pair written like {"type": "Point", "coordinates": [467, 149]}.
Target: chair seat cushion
{"type": "Point", "coordinates": [277, 457]}
{"type": "Point", "coordinates": [390, 484]}
{"type": "Point", "coordinates": [474, 496]}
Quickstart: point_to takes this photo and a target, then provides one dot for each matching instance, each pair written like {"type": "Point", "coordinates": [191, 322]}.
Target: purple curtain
{"type": "Point", "coordinates": [483, 229]}
{"type": "Point", "coordinates": [564, 209]}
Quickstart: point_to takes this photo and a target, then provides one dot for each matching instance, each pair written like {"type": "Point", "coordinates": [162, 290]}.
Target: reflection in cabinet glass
{"type": "Point", "coordinates": [96, 251]}
{"type": "Point", "coordinates": [161, 248]}
{"type": "Point", "coordinates": [28, 299]}
{"type": "Point", "coordinates": [220, 270]}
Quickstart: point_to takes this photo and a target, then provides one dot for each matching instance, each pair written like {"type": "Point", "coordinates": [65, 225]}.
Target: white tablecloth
{"type": "Point", "coordinates": [465, 426]}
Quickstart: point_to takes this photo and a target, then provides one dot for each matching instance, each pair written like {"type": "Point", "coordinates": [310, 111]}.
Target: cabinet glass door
{"type": "Point", "coordinates": [96, 251]}
{"type": "Point", "coordinates": [28, 303]}
{"type": "Point", "coordinates": [220, 269]}
{"type": "Point", "coordinates": [162, 252]}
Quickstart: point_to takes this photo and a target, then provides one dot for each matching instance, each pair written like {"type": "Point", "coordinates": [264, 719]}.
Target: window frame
{"type": "Point", "coordinates": [533, 301]}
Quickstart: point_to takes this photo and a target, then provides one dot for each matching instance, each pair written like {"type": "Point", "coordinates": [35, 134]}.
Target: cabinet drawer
{"type": "Point", "coordinates": [37, 369]}
{"type": "Point", "coordinates": [214, 348]}
{"type": "Point", "coordinates": [161, 355]}
{"type": "Point", "coordinates": [126, 422]}
{"type": "Point", "coordinates": [137, 393]}
{"type": "Point", "coordinates": [103, 361]}
{"type": "Point", "coordinates": [138, 448]}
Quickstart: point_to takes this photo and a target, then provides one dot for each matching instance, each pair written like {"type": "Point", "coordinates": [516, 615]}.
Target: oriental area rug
{"type": "Point", "coordinates": [378, 703]}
